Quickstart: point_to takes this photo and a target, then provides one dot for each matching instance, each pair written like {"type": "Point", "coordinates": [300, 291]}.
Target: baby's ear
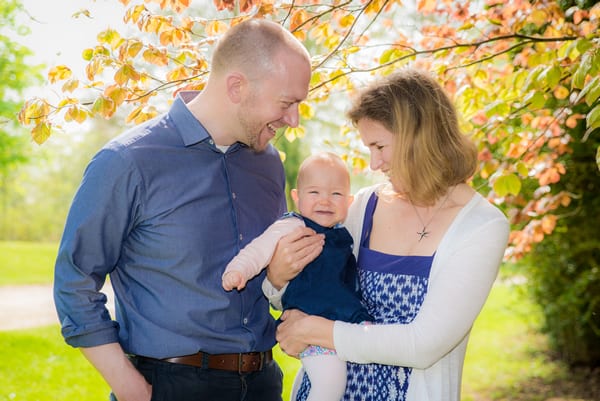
{"type": "Point", "coordinates": [294, 194]}
{"type": "Point", "coordinates": [350, 199]}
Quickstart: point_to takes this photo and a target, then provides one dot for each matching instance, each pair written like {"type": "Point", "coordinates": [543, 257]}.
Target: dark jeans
{"type": "Point", "coordinates": [174, 382]}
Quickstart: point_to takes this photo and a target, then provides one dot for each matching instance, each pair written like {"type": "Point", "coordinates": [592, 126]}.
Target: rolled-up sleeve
{"type": "Point", "coordinates": [102, 213]}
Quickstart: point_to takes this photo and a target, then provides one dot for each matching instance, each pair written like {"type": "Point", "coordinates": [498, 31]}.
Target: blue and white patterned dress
{"type": "Point", "coordinates": [393, 290]}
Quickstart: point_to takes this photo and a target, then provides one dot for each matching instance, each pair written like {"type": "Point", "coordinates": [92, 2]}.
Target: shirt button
{"type": "Point", "coordinates": [211, 141]}
{"type": "Point", "coordinates": [241, 237]}
{"type": "Point", "coordinates": [245, 320]}
{"type": "Point", "coordinates": [233, 195]}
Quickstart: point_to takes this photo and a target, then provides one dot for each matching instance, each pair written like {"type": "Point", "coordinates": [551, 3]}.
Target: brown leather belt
{"type": "Point", "coordinates": [241, 363]}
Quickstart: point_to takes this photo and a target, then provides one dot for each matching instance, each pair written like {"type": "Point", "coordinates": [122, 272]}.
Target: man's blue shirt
{"type": "Point", "coordinates": [162, 211]}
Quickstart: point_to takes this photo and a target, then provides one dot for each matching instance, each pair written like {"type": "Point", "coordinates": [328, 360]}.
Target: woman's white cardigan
{"type": "Point", "coordinates": [434, 343]}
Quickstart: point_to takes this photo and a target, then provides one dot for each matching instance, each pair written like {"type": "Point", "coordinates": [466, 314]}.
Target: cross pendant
{"type": "Point", "coordinates": [423, 233]}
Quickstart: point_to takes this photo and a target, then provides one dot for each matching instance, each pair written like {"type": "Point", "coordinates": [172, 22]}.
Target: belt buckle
{"type": "Point", "coordinates": [261, 362]}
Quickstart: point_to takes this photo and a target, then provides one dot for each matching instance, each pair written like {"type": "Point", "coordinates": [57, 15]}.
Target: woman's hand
{"type": "Point", "coordinates": [294, 251]}
{"type": "Point", "coordinates": [299, 330]}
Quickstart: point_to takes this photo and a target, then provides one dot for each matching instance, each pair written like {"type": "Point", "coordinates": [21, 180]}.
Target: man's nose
{"type": "Point", "coordinates": [292, 116]}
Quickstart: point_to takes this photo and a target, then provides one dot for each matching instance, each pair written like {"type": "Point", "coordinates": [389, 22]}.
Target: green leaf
{"type": "Point", "coordinates": [584, 45]}
{"type": "Point", "coordinates": [532, 79]}
{"type": "Point", "coordinates": [551, 75]}
{"type": "Point", "coordinates": [507, 184]}
{"type": "Point", "coordinates": [497, 108]}
{"type": "Point", "coordinates": [593, 118]}
{"type": "Point", "coordinates": [535, 99]}
{"type": "Point", "coordinates": [593, 92]}
{"type": "Point", "coordinates": [582, 71]}
{"type": "Point", "coordinates": [522, 169]}
{"type": "Point", "coordinates": [592, 86]}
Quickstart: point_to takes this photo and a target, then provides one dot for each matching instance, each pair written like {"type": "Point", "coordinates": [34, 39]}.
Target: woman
{"type": "Point", "coordinates": [428, 250]}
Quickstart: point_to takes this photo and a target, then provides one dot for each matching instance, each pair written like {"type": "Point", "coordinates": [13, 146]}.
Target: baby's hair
{"type": "Point", "coordinates": [326, 158]}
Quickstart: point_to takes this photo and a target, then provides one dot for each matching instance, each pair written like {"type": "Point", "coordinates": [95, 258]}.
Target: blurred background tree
{"type": "Point", "coordinates": [17, 75]}
{"type": "Point", "coordinates": [525, 76]}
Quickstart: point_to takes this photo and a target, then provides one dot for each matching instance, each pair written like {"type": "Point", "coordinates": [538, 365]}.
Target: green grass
{"type": "Point", "coordinates": [36, 365]}
{"type": "Point", "coordinates": [26, 262]}
{"type": "Point", "coordinates": [504, 350]}
{"type": "Point", "coordinates": [506, 358]}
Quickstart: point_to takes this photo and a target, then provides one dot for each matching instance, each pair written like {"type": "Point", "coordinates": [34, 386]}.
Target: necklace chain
{"type": "Point", "coordinates": [424, 233]}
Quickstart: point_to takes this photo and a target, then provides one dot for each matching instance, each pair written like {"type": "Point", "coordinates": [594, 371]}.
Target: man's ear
{"type": "Point", "coordinates": [235, 82]}
{"type": "Point", "coordinates": [350, 199]}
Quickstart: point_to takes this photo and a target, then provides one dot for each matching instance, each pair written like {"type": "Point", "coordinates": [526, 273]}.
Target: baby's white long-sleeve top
{"type": "Point", "coordinates": [258, 253]}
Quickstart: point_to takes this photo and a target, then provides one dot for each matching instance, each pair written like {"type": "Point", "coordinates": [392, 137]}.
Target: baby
{"type": "Point", "coordinates": [328, 286]}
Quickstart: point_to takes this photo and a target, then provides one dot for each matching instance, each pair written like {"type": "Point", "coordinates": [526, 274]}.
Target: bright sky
{"type": "Point", "coordinates": [59, 38]}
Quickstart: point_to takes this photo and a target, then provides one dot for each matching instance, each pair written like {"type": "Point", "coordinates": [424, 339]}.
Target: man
{"type": "Point", "coordinates": [163, 208]}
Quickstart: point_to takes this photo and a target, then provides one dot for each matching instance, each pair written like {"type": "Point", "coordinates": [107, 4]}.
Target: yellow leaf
{"type": "Point", "coordinates": [116, 93]}
{"type": "Point", "coordinates": [87, 54]}
{"type": "Point", "coordinates": [93, 68]}
{"type": "Point", "coordinates": [110, 37]}
{"type": "Point", "coordinates": [41, 132]}
{"type": "Point", "coordinates": [177, 74]}
{"type": "Point", "coordinates": [70, 85]}
{"type": "Point", "coordinates": [153, 24]}
{"type": "Point", "coordinates": [538, 17]}
{"type": "Point", "coordinates": [282, 155]}
{"type": "Point", "coordinates": [156, 57]}
{"type": "Point", "coordinates": [332, 41]}
{"type": "Point", "coordinates": [33, 111]}
{"type": "Point", "coordinates": [134, 13]}
{"type": "Point", "coordinates": [82, 12]}
{"type": "Point", "coordinates": [306, 111]}
{"type": "Point", "coordinates": [321, 33]}
{"type": "Point", "coordinates": [67, 101]}
{"type": "Point", "coordinates": [215, 28]}
{"type": "Point", "coordinates": [126, 73]}
{"type": "Point", "coordinates": [134, 47]}
{"type": "Point", "coordinates": [359, 163]}
{"type": "Point", "coordinates": [347, 20]}
{"type": "Point", "coordinates": [59, 73]}
{"type": "Point", "coordinates": [292, 133]}
{"type": "Point", "coordinates": [147, 113]}
{"type": "Point", "coordinates": [104, 106]}
{"type": "Point", "coordinates": [75, 113]}
{"type": "Point", "coordinates": [133, 115]}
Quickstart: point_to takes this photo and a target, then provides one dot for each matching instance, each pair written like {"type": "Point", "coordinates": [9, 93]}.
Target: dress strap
{"type": "Point", "coordinates": [368, 220]}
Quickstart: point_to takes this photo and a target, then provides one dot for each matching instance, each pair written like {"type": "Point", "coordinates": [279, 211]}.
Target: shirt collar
{"type": "Point", "coordinates": [190, 129]}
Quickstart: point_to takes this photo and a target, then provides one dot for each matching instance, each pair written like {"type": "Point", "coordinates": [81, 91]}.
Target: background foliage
{"type": "Point", "coordinates": [16, 75]}
{"type": "Point", "coordinates": [524, 75]}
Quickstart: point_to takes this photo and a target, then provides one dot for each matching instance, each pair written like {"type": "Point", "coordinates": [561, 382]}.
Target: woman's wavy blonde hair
{"type": "Point", "coordinates": [430, 154]}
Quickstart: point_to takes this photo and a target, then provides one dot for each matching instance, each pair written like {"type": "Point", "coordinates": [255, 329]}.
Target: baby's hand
{"type": "Point", "coordinates": [233, 280]}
